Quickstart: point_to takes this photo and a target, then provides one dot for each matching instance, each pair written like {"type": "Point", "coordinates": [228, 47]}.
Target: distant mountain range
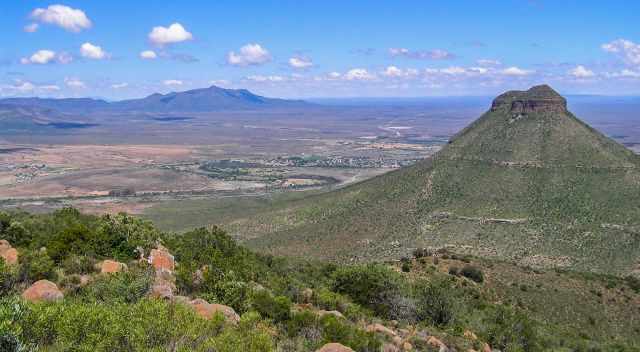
{"type": "Point", "coordinates": [196, 100]}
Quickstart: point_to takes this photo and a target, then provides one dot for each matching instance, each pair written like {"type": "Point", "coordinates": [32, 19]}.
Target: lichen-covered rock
{"type": "Point", "coordinates": [208, 310]}
{"type": "Point", "coordinates": [162, 289]}
{"type": "Point", "coordinates": [334, 347]}
{"type": "Point", "coordinates": [381, 329]}
{"type": "Point", "coordinates": [335, 313]}
{"type": "Point", "coordinates": [8, 253]}
{"type": "Point", "coordinates": [160, 258]}
{"type": "Point", "coordinates": [306, 295]}
{"type": "Point", "coordinates": [436, 343]}
{"type": "Point", "coordinates": [112, 266]}
{"type": "Point", "coordinates": [43, 290]}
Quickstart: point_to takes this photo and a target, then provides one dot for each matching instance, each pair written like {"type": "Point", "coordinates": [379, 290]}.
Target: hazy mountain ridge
{"type": "Point", "coordinates": [196, 100]}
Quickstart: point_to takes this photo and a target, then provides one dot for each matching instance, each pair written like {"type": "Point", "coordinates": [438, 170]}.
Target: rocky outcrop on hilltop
{"type": "Point", "coordinates": [8, 253]}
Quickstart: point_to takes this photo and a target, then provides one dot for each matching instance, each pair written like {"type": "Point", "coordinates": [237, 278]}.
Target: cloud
{"type": "Point", "coordinates": [120, 85]}
{"type": "Point", "coordinates": [73, 20]}
{"type": "Point", "coordinates": [300, 62]}
{"type": "Point", "coordinates": [220, 82]}
{"type": "Point", "coordinates": [172, 82]}
{"type": "Point", "coordinates": [628, 50]}
{"type": "Point", "coordinates": [515, 71]}
{"type": "Point", "coordinates": [250, 54]}
{"type": "Point", "coordinates": [581, 72]}
{"type": "Point", "coordinates": [45, 56]}
{"type": "Point", "coordinates": [26, 87]}
{"type": "Point", "coordinates": [358, 74]}
{"type": "Point", "coordinates": [148, 55]}
{"type": "Point", "coordinates": [175, 33]}
{"type": "Point", "coordinates": [91, 51]}
{"type": "Point", "coordinates": [31, 28]}
{"type": "Point", "coordinates": [74, 83]}
{"type": "Point", "coordinates": [435, 54]}
{"type": "Point", "coordinates": [625, 73]}
{"type": "Point", "coordinates": [488, 62]}
{"type": "Point", "coordinates": [454, 70]}
{"type": "Point", "coordinates": [260, 78]}
{"type": "Point", "coordinates": [395, 72]}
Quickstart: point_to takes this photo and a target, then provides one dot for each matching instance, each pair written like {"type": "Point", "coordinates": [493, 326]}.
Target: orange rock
{"type": "Point", "coordinates": [379, 328]}
{"type": "Point", "coordinates": [112, 266]}
{"type": "Point", "coordinates": [334, 347]}
{"type": "Point", "coordinates": [207, 310]}
{"type": "Point", "coordinates": [470, 335]}
{"type": "Point", "coordinates": [8, 253]}
{"type": "Point", "coordinates": [161, 259]}
{"type": "Point", "coordinates": [407, 346]}
{"type": "Point", "coordinates": [434, 342]}
{"type": "Point", "coordinates": [486, 347]}
{"type": "Point", "coordinates": [42, 290]}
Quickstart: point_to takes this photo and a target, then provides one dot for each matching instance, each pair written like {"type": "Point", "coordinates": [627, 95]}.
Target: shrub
{"type": "Point", "coordinates": [472, 272]}
{"type": "Point", "coordinates": [36, 265]}
{"type": "Point", "coordinates": [124, 287]}
{"type": "Point", "coordinates": [79, 264]}
{"type": "Point", "coordinates": [434, 302]}
{"type": "Point", "coordinates": [374, 286]}
{"type": "Point", "coordinates": [252, 335]}
{"type": "Point", "coordinates": [338, 330]}
{"type": "Point", "coordinates": [453, 270]}
{"type": "Point", "coordinates": [406, 267]}
{"type": "Point", "coordinates": [8, 278]}
{"type": "Point", "coordinates": [277, 308]}
{"type": "Point", "coordinates": [509, 330]}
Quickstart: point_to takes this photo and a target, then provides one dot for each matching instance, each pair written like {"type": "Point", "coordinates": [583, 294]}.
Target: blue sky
{"type": "Point", "coordinates": [318, 48]}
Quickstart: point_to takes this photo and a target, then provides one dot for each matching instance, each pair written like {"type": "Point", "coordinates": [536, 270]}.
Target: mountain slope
{"type": "Point", "coordinates": [527, 181]}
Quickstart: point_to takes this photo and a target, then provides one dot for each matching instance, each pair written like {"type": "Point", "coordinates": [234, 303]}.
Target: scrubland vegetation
{"type": "Point", "coordinates": [284, 304]}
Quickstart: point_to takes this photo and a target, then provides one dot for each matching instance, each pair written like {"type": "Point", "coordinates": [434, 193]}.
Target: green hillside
{"type": "Point", "coordinates": [527, 181]}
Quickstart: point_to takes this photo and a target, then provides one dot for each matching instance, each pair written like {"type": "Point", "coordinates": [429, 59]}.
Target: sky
{"type": "Point", "coordinates": [312, 49]}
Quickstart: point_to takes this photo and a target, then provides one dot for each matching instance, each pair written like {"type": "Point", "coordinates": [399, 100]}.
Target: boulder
{"type": "Point", "coordinates": [397, 341]}
{"type": "Point", "coordinates": [162, 289]}
{"type": "Point", "coordinates": [112, 266]}
{"type": "Point", "coordinates": [207, 310]}
{"type": "Point", "coordinates": [435, 342]}
{"type": "Point", "coordinates": [381, 329]}
{"type": "Point", "coordinates": [470, 335]}
{"type": "Point", "coordinates": [486, 347]}
{"type": "Point", "coordinates": [160, 258]}
{"type": "Point", "coordinates": [334, 347]}
{"type": "Point", "coordinates": [406, 346]}
{"type": "Point", "coordinates": [335, 313]}
{"type": "Point", "coordinates": [8, 253]}
{"type": "Point", "coordinates": [43, 290]}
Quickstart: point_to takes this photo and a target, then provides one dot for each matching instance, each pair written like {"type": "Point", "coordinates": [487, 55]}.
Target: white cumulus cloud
{"type": "Point", "coordinates": [148, 55]}
{"type": "Point", "coordinates": [260, 78]}
{"type": "Point", "coordinates": [358, 74]}
{"type": "Point", "coordinates": [488, 62]}
{"type": "Point", "coordinates": [91, 51]}
{"type": "Point", "coordinates": [300, 62]}
{"type": "Point", "coordinates": [40, 57]}
{"type": "Point", "coordinates": [516, 71]}
{"type": "Point", "coordinates": [628, 50]}
{"type": "Point", "coordinates": [73, 20]}
{"type": "Point", "coordinates": [74, 83]}
{"type": "Point", "coordinates": [120, 85]}
{"type": "Point", "coordinates": [250, 54]}
{"type": "Point", "coordinates": [395, 72]}
{"type": "Point", "coordinates": [581, 72]}
{"type": "Point", "coordinates": [172, 82]}
{"type": "Point", "coordinates": [175, 33]}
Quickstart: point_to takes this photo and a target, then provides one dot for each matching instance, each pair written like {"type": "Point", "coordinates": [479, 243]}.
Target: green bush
{"type": "Point", "coordinates": [276, 308]}
{"type": "Point", "coordinates": [472, 272]}
{"type": "Point", "coordinates": [8, 278]}
{"type": "Point", "coordinates": [338, 330]}
{"type": "Point", "coordinates": [36, 265]}
{"type": "Point", "coordinates": [454, 271]}
{"type": "Point", "coordinates": [124, 287]}
{"type": "Point", "coordinates": [434, 302]}
{"type": "Point", "coordinates": [509, 330]}
{"type": "Point", "coordinates": [79, 264]}
{"type": "Point", "coordinates": [374, 286]}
